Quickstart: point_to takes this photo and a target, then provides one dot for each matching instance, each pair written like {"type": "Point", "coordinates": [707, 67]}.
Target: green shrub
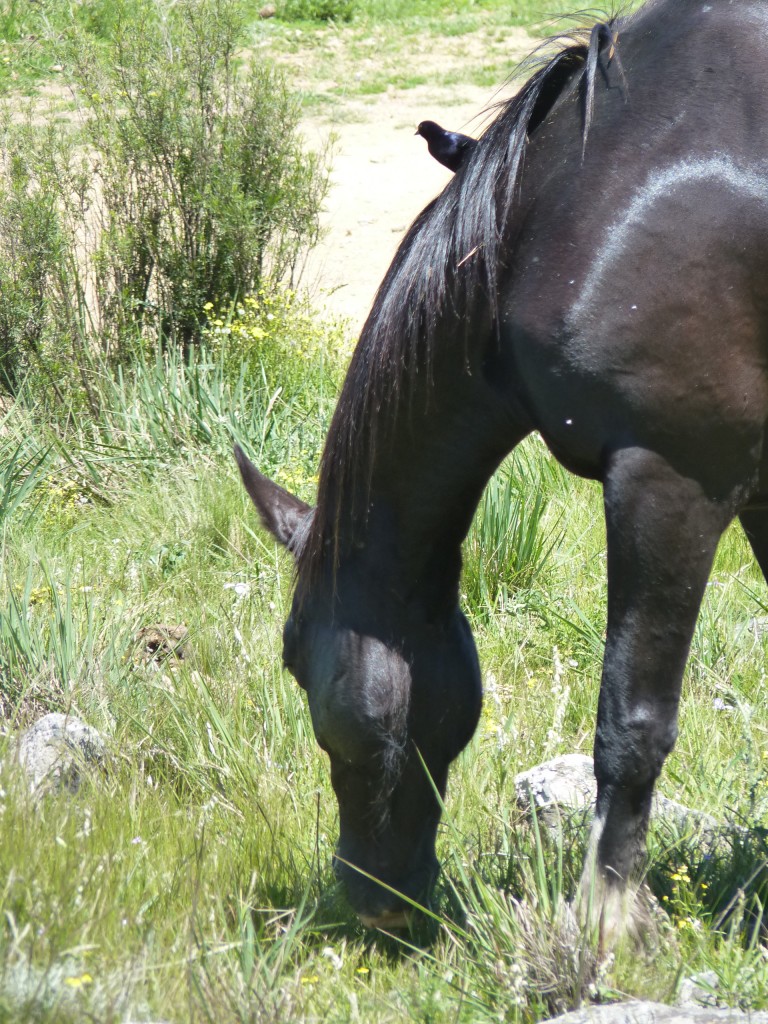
{"type": "Point", "coordinates": [206, 191]}
{"type": "Point", "coordinates": [192, 188]}
{"type": "Point", "coordinates": [43, 192]}
{"type": "Point", "coordinates": [317, 10]}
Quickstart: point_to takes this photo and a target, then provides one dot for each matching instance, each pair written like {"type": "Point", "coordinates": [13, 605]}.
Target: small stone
{"type": "Point", "coordinates": [698, 990]}
{"type": "Point", "coordinates": [641, 1012]}
{"type": "Point", "coordinates": [565, 787]}
{"type": "Point", "coordinates": [55, 751]}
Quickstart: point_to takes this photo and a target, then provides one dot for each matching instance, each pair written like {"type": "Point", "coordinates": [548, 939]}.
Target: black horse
{"type": "Point", "coordinates": [597, 271]}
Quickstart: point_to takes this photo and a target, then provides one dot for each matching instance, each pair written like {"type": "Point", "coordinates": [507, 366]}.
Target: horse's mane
{"type": "Point", "coordinates": [446, 266]}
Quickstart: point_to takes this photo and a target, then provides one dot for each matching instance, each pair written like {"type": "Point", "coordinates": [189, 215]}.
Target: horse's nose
{"type": "Point", "coordinates": [387, 920]}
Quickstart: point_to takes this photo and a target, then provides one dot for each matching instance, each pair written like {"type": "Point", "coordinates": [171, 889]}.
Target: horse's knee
{"type": "Point", "coordinates": [629, 755]}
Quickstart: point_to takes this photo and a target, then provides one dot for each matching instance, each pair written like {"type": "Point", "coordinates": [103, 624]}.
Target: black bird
{"type": "Point", "coordinates": [450, 149]}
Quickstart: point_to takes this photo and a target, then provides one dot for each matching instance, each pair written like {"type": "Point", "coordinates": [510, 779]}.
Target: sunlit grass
{"type": "Point", "coordinates": [191, 880]}
{"type": "Point", "coordinates": [196, 873]}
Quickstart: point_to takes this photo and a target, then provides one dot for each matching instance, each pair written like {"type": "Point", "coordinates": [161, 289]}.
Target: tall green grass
{"type": "Point", "coordinates": [516, 529]}
{"type": "Point", "coordinates": [192, 881]}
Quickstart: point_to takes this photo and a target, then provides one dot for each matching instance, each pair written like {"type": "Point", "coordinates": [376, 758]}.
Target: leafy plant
{"type": "Point", "coordinates": [205, 190]}
{"type": "Point", "coordinates": [195, 190]}
{"type": "Point", "coordinates": [42, 186]}
{"type": "Point", "coordinates": [276, 337]}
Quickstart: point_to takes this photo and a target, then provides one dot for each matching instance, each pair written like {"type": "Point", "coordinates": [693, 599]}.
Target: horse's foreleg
{"type": "Point", "coordinates": [662, 534]}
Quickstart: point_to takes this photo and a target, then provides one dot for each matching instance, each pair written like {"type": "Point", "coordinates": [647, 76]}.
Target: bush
{"type": "Point", "coordinates": [205, 187]}
{"type": "Point", "coordinates": [276, 338]}
{"type": "Point", "coordinates": [317, 10]}
{"type": "Point", "coordinates": [43, 189]}
{"type": "Point", "coordinates": [197, 188]}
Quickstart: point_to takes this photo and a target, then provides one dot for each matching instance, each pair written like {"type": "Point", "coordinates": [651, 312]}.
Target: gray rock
{"type": "Point", "coordinates": [562, 787]}
{"type": "Point", "coordinates": [565, 788]}
{"type": "Point", "coordinates": [638, 1012]}
{"type": "Point", "coordinates": [54, 752]}
{"type": "Point", "coordinates": [28, 992]}
{"type": "Point", "coordinates": [698, 990]}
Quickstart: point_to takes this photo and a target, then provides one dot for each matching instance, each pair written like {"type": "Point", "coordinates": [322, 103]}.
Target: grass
{"type": "Point", "coordinates": [429, 48]}
{"type": "Point", "coordinates": [438, 47]}
{"type": "Point", "coordinates": [382, 39]}
{"type": "Point", "coordinates": [191, 881]}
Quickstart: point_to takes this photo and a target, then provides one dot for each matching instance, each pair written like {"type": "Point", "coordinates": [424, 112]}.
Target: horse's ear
{"type": "Point", "coordinates": [283, 514]}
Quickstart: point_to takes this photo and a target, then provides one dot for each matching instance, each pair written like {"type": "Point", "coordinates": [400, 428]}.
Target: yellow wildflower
{"type": "Point", "coordinates": [78, 982]}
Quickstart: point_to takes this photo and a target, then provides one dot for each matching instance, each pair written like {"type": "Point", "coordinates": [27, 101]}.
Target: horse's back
{"type": "Point", "coordinates": [637, 298]}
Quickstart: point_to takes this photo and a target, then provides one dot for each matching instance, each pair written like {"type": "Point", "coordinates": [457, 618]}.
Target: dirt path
{"type": "Point", "coordinates": [382, 177]}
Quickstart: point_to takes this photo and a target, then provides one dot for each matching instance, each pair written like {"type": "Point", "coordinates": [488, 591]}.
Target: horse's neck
{"type": "Point", "coordinates": [426, 482]}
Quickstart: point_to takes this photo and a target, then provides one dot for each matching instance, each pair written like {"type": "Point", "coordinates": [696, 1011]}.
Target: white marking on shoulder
{"type": "Point", "coordinates": [661, 184]}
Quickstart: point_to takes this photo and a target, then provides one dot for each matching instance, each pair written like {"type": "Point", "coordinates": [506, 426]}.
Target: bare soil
{"type": "Point", "coordinates": [382, 177]}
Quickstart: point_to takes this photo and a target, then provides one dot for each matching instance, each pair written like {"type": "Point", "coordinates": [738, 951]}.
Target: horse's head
{"type": "Point", "coordinates": [394, 695]}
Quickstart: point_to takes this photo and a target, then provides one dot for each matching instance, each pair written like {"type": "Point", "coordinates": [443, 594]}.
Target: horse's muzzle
{"type": "Point", "coordinates": [388, 920]}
